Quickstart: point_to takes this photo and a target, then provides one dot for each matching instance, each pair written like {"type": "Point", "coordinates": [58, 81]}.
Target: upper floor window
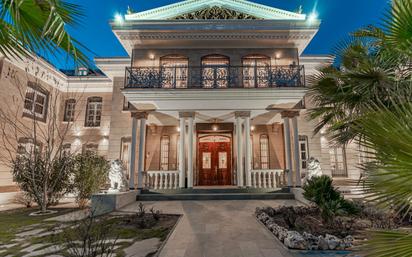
{"type": "Point", "coordinates": [215, 71]}
{"type": "Point", "coordinates": [94, 112]}
{"type": "Point", "coordinates": [264, 152]}
{"type": "Point", "coordinates": [256, 70]}
{"type": "Point", "coordinates": [164, 152]}
{"type": "Point", "coordinates": [174, 71]}
{"type": "Point", "coordinates": [35, 102]}
{"type": "Point", "coordinates": [69, 110]}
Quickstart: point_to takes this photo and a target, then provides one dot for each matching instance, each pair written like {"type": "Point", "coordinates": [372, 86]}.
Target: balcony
{"type": "Point", "coordinates": [215, 77]}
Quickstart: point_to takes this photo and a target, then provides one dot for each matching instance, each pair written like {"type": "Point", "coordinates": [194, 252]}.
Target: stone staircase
{"type": "Point", "coordinates": [199, 194]}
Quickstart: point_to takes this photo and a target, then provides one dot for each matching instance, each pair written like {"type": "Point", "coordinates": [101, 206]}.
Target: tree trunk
{"type": "Point", "coordinates": [43, 207]}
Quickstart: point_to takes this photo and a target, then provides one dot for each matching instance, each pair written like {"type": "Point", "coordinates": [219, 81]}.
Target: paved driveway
{"type": "Point", "coordinates": [218, 229]}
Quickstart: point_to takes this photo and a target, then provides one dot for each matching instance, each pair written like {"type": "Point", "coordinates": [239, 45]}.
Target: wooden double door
{"type": "Point", "coordinates": [215, 160]}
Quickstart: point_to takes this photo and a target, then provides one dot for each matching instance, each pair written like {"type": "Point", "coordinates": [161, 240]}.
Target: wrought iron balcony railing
{"type": "Point", "coordinates": [215, 76]}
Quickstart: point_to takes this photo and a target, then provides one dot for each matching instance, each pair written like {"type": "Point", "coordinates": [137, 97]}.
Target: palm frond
{"type": "Point", "coordinates": [389, 244]}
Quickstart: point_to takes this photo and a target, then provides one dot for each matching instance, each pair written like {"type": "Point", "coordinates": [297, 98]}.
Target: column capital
{"type": "Point", "coordinates": [289, 114]}
{"type": "Point", "coordinates": [187, 114]}
{"type": "Point", "coordinates": [140, 115]}
{"type": "Point", "coordinates": [242, 114]}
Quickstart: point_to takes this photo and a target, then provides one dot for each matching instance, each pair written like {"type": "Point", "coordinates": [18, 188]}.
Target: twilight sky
{"type": "Point", "coordinates": [339, 17]}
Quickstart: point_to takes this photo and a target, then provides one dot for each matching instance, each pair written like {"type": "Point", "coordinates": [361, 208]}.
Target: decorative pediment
{"type": "Point", "coordinates": [214, 9]}
{"type": "Point", "coordinates": [215, 13]}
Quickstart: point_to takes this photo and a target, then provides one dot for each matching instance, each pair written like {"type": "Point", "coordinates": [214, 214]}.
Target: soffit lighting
{"type": "Point", "coordinates": [118, 18]}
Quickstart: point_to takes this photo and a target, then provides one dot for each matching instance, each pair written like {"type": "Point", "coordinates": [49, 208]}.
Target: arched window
{"type": "Point", "coordinates": [174, 71]}
{"type": "Point", "coordinates": [69, 110]}
{"type": "Point", "coordinates": [256, 70]}
{"type": "Point", "coordinates": [264, 152]}
{"type": "Point", "coordinates": [164, 152]}
{"type": "Point", "coordinates": [94, 111]}
{"type": "Point", "coordinates": [215, 71]}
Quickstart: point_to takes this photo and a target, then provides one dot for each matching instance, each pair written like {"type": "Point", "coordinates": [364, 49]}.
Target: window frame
{"type": "Point", "coordinates": [304, 139]}
{"type": "Point", "coordinates": [162, 152]}
{"type": "Point", "coordinates": [69, 102]}
{"type": "Point", "coordinates": [97, 101]}
{"type": "Point", "coordinates": [335, 151]}
{"type": "Point", "coordinates": [37, 90]}
{"type": "Point", "coordinates": [267, 155]}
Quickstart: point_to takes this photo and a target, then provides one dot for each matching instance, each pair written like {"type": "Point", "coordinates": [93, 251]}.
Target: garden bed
{"type": "Point", "coordinates": [303, 228]}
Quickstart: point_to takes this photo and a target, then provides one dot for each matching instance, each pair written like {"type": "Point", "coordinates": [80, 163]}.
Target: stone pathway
{"type": "Point", "coordinates": [218, 229]}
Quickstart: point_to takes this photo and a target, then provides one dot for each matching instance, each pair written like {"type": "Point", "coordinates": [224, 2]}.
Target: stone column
{"type": "Point", "coordinates": [182, 171]}
{"type": "Point", "coordinates": [142, 117]}
{"type": "Point", "coordinates": [296, 148]}
{"type": "Point", "coordinates": [248, 153]}
{"type": "Point", "coordinates": [288, 154]}
{"type": "Point", "coordinates": [133, 153]}
{"type": "Point", "coordinates": [190, 151]}
{"type": "Point", "coordinates": [239, 152]}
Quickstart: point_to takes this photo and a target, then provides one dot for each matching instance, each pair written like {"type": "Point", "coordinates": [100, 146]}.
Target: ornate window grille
{"type": "Point", "coordinates": [256, 69]}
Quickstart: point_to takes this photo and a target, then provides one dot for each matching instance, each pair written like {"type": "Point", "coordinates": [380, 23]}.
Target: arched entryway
{"type": "Point", "coordinates": [214, 160]}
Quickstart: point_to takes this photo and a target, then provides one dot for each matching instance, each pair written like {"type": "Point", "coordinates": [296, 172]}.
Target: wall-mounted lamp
{"type": "Point", "coordinates": [151, 57]}
{"type": "Point", "coordinates": [215, 127]}
{"type": "Point", "coordinates": [252, 128]}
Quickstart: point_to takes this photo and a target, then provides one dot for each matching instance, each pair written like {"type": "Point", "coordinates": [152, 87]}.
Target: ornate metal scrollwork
{"type": "Point", "coordinates": [215, 13]}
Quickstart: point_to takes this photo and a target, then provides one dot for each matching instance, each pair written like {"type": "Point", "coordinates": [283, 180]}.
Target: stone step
{"type": "Point", "coordinates": [215, 196]}
{"type": "Point", "coordinates": [216, 191]}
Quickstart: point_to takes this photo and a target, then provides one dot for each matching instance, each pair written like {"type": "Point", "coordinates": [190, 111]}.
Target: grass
{"type": "Point", "coordinates": [14, 221]}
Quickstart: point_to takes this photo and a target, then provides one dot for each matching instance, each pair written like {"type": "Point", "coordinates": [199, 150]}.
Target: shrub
{"type": "Point", "coordinates": [331, 203]}
{"type": "Point", "coordinates": [90, 175]}
{"type": "Point", "coordinates": [43, 180]}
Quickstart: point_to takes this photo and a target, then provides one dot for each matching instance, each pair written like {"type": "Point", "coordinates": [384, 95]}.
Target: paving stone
{"type": "Point", "coordinates": [33, 247]}
{"type": "Point", "coordinates": [8, 245]}
{"type": "Point", "coordinates": [48, 250]}
{"type": "Point", "coordinates": [33, 232]}
{"type": "Point", "coordinates": [142, 248]}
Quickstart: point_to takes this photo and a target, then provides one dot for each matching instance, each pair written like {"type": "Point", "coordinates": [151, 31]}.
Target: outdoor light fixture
{"type": "Point", "coordinates": [119, 18]}
{"type": "Point", "coordinates": [178, 129]}
{"type": "Point", "coordinates": [152, 57]}
{"type": "Point", "coordinates": [252, 128]}
{"type": "Point", "coordinates": [312, 17]}
{"type": "Point", "coordinates": [214, 127]}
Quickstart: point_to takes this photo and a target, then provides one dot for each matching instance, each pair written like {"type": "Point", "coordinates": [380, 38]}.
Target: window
{"type": "Point", "coordinates": [66, 149]}
{"type": "Point", "coordinates": [256, 70]}
{"type": "Point", "coordinates": [264, 152]}
{"type": "Point", "coordinates": [35, 102]}
{"type": "Point", "coordinates": [174, 71]}
{"type": "Point", "coordinates": [338, 162]}
{"type": "Point", "coordinates": [164, 152]}
{"type": "Point", "coordinates": [93, 112]}
{"type": "Point", "coordinates": [215, 71]}
{"type": "Point", "coordinates": [304, 152]}
{"type": "Point", "coordinates": [90, 148]}
{"type": "Point", "coordinates": [125, 152]}
{"type": "Point", "coordinates": [27, 146]}
{"type": "Point", "coordinates": [69, 110]}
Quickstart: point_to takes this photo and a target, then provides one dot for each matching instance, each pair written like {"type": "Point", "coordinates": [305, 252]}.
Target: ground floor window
{"type": "Point", "coordinates": [304, 152]}
{"type": "Point", "coordinates": [90, 148]}
{"type": "Point", "coordinates": [27, 146]}
{"type": "Point", "coordinates": [264, 152]}
{"type": "Point", "coordinates": [338, 161]}
{"type": "Point", "coordinates": [164, 152]}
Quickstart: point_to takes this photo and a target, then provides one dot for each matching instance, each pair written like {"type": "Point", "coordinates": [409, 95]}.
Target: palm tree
{"type": "Point", "coordinates": [38, 27]}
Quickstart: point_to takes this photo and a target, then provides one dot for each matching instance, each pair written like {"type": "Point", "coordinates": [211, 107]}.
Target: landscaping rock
{"type": "Point", "coordinates": [322, 244]}
{"type": "Point", "coordinates": [295, 240]}
{"type": "Point", "coordinates": [346, 243]}
{"type": "Point", "coordinates": [332, 241]}
{"type": "Point", "coordinates": [312, 241]}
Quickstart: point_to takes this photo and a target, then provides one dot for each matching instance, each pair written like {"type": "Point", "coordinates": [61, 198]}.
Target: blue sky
{"type": "Point", "coordinates": [339, 17]}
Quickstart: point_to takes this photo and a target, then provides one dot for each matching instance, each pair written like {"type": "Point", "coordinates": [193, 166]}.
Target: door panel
{"type": "Point", "coordinates": [214, 161]}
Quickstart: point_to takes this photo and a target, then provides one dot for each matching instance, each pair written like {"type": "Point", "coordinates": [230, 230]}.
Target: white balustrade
{"type": "Point", "coordinates": [267, 178]}
{"type": "Point", "coordinates": [163, 179]}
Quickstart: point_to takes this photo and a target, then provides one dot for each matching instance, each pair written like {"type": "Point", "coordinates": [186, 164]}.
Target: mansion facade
{"type": "Point", "coordinates": [213, 93]}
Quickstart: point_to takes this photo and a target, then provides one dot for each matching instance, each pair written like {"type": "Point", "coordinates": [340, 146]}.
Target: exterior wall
{"type": "Point", "coordinates": [151, 57]}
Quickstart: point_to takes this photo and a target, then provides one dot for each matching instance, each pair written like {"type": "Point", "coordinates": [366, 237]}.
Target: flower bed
{"type": "Point", "coordinates": [302, 228]}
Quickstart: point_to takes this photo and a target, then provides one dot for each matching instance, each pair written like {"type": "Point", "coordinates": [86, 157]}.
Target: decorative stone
{"type": "Point", "coordinates": [332, 241]}
{"type": "Point", "coordinates": [346, 243]}
{"type": "Point", "coordinates": [322, 243]}
{"type": "Point", "coordinates": [312, 241]}
{"type": "Point", "coordinates": [295, 240]}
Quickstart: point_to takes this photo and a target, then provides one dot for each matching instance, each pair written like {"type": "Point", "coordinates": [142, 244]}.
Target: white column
{"type": "Point", "coordinates": [296, 149]}
{"type": "Point", "coordinates": [288, 153]}
{"type": "Point", "coordinates": [182, 153]}
{"type": "Point", "coordinates": [248, 153]}
{"type": "Point", "coordinates": [133, 153]}
{"type": "Point", "coordinates": [190, 154]}
{"type": "Point", "coordinates": [239, 155]}
{"type": "Point", "coordinates": [142, 142]}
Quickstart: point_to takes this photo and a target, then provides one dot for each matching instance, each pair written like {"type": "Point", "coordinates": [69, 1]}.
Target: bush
{"type": "Point", "coordinates": [90, 175]}
{"type": "Point", "coordinates": [331, 203]}
{"type": "Point", "coordinates": [44, 180]}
